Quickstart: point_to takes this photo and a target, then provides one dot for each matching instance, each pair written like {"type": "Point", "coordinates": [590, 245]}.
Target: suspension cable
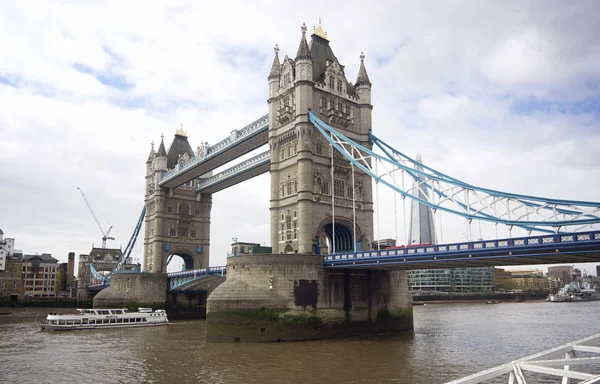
{"type": "Point", "coordinates": [377, 197]}
{"type": "Point", "coordinates": [404, 211]}
{"type": "Point", "coordinates": [353, 204]}
{"type": "Point", "coordinates": [332, 200]}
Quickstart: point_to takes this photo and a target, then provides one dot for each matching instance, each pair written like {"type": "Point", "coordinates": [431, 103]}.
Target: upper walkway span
{"type": "Point", "coordinates": [237, 144]}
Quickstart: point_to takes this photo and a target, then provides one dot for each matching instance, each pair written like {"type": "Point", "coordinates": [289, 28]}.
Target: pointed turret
{"type": "Point", "coordinates": [363, 78]}
{"type": "Point", "coordinates": [160, 160]}
{"type": "Point", "coordinates": [152, 154]}
{"type": "Point", "coordinates": [276, 67]}
{"type": "Point", "coordinates": [161, 148]}
{"type": "Point", "coordinates": [303, 50]}
{"type": "Point", "coordinates": [363, 84]}
{"type": "Point", "coordinates": [304, 61]}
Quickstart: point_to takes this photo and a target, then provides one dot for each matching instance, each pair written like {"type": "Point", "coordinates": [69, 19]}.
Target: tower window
{"type": "Point", "coordinates": [169, 209]}
{"type": "Point", "coordinates": [339, 188]}
{"type": "Point", "coordinates": [331, 82]}
{"type": "Point", "coordinates": [172, 232]}
{"type": "Point", "coordinates": [339, 85]}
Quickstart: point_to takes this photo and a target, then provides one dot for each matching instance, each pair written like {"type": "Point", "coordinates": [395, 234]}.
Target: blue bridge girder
{"type": "Point", "coordinates": [239, 143]}
{"type": "Point", "coordinates": [563, 248]}
{"type": "Point", "coordinates": [178, 279]}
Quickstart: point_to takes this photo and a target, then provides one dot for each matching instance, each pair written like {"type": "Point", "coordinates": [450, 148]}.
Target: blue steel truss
{"type": "Point", "coordinates": [454, 196]}
{"type": "Point", "coordinates": [124, 255]}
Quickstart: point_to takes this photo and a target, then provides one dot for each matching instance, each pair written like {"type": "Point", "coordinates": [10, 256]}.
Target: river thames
{"type": "Point", "coordinates": [449, 341]}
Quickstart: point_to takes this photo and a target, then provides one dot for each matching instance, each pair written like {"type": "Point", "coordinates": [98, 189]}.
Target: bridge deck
{"type": "Point", "coordinates": [547, 249]}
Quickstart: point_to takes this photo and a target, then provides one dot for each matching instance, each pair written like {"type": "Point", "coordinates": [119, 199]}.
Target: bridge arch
{"type": "Point", "coordinates": [344, 236]}
{"type": "Point", "coordinates": [183, 256]}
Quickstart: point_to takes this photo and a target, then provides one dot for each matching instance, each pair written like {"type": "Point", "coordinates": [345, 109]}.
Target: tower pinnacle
{"type": "Point", "coordinates": [276, 67]}
{"type": "Point", "coordinates": [319, 31]}
{"type": "Point", "coordinates": [363, 77]}
{"type": "Point", "coordinates": [303, 50]}
{"type": "Point", "coordinates": [161, 148]}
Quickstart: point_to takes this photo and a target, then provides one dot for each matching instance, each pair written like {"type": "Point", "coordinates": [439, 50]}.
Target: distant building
{"type": "Point", "coordinates": [241, 248]}
{"type": "Point", "coordinates": [383, 243]}
{"type": "Point", "coordinates": [564, 273]}
{"type": "Point", "coordinates": [528, 283]}
{"type": "Point", "coordinates": [39, 275]}
{"type": "Point", "coordinates": [500, 276]}
{"type": "Point", "coordinates": [65, 279]}
{"type": "Point", "coordinates": [6, 249]}
{"type": "Point", "coordinates": [422, 231]}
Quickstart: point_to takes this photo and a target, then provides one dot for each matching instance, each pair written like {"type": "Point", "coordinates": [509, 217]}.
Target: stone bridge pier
{"type": "Point", "coordinates": [275, 298]}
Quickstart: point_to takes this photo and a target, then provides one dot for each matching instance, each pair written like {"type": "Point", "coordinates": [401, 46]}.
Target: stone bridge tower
{"type": "Point", "coordinates": [177, 220]}
{"type": "Point", "coordinates": [303, 183]}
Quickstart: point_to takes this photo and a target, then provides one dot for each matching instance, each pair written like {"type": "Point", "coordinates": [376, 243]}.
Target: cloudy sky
{"type": "Point", "coordinates": [504, 95]}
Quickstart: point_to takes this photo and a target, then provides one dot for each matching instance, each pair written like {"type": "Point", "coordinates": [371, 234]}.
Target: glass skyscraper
{"type": "Point", "coordinates": [422, 231]}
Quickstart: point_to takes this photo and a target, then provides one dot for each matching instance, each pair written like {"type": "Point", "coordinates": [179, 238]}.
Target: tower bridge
{"type": "Point", "coordinates": [322, 278]}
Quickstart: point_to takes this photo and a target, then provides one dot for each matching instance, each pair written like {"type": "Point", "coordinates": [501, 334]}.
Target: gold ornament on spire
{"type": "Point", "coordinates": [181, 132]}
{"type": "Point", "coordinates": [319, 31]}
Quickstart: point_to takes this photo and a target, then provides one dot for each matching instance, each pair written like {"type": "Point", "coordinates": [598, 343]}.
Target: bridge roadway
{"type": "Point", "coordinates": [237, 144]}
{"type": "Point", "coordinates": [581, 247]}
{"type": "Point", "coordinates": [562, 248]}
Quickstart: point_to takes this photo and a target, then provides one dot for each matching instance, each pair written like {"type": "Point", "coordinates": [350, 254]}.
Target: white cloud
{"type": "Point", "coordinates": [464, 84]}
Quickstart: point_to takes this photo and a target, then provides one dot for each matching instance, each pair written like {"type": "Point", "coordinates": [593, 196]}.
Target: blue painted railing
{"type": "Point", "coordinates": [466, 247]}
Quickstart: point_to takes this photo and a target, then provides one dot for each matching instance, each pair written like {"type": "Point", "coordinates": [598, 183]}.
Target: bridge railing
{"type": "Point", "coordinates": [531, 241]}
{"type": "Point", "coordinates": [212, 151]}
{"type": "Point", "coordinates": [238, 168]}
{"type": "Point", "coordinates": [198, 272]}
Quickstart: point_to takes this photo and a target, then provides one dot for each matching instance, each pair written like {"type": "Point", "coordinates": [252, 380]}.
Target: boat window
{"type": "Point", "coordinates": [69, 322]}
{"type": "Point", "coordinates": [61, 322]}
{"type": "Point", "coordinates": [84, 321]}
{"type": "Point", "coordinates": [119, 320]}
{"type": "Point", "coordinates": [144, 319]}
{"type": "Point", "coordinates": [112, 321]}
{"type": "Point", "coordinates": [93, 322]}
{"type": "Point", "coordinates": [126, 320]}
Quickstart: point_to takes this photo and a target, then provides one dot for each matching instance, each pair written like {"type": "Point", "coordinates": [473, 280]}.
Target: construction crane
{"type": "Point", "coordinates": [104, 234]}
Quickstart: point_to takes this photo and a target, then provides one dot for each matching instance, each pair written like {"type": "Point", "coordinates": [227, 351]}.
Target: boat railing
{"type": "Point", "coordinates": [555, 362]}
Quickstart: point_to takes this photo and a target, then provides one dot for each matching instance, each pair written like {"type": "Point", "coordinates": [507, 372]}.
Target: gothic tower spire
{"type": "Point", "coordinates": [276, 67]}
{"type": "Point", "coordinates": [362, 78]}
{"type": "Point", "coordinates": [303, 50]}
{"type": "Point", "coordinates": [161, 148]}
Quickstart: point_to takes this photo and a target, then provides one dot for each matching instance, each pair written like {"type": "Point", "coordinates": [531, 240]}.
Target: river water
{"type": "Point", "coordinates": [449, 341]}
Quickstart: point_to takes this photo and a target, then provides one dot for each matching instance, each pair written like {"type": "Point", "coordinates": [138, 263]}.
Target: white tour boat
{"type": "Point", "coordinates": [105, 318]}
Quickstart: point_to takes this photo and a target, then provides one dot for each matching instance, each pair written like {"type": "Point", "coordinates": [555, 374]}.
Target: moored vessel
{"type": "Point", "coordinates": [105, 318]}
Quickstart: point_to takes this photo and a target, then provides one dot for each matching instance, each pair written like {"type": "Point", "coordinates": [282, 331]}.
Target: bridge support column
{"type": "Point", "coordinates": [134, 289]}
{"type": "Point", "coordinates": [292, 297]}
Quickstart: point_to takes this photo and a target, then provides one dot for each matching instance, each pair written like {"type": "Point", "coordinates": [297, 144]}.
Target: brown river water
{"type": "Point", "coordinates": [449, 341]}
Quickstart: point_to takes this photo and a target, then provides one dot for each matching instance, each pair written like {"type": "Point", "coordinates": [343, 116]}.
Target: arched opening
{"type": "Point", "coordinates": [344, 239]}
{"type": "Point", "coordinates": [178, 261]}
{"type": "Point", "coordinates": [288, 249]}
{"type": "Point", "coordinates": [344, 236]}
